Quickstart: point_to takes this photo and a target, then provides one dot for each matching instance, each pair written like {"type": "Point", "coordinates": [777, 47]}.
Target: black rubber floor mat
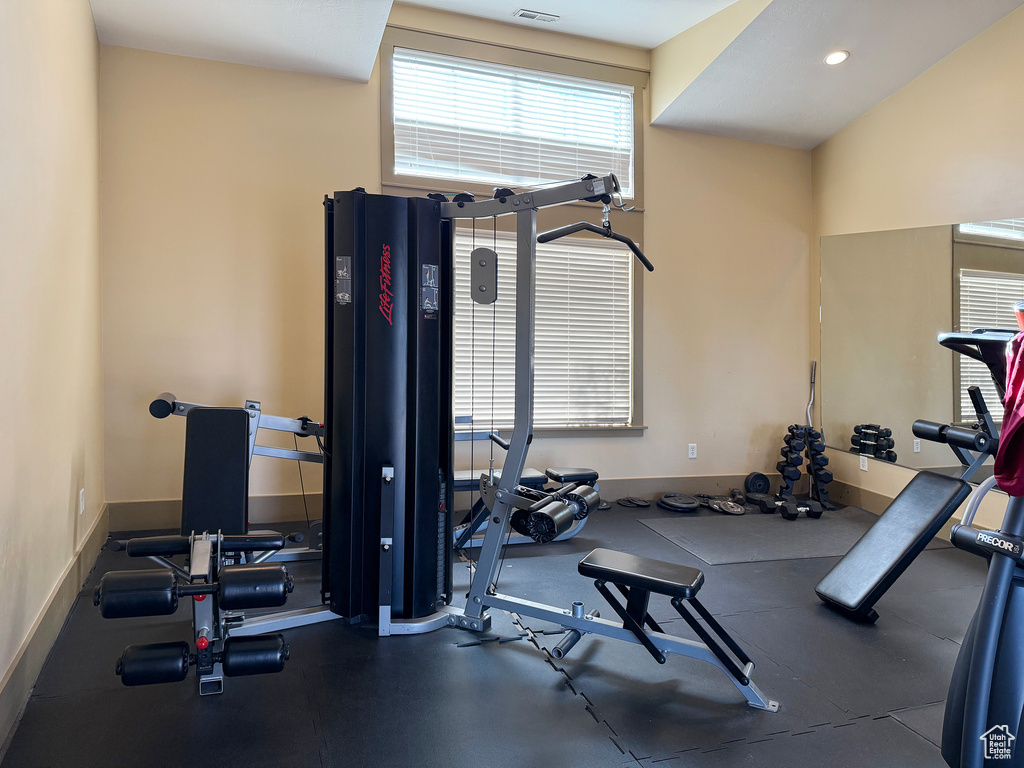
{"type": "Point", "coordinates": [925, 721]}
{"type": "Point", "coordinates": [754, 538]}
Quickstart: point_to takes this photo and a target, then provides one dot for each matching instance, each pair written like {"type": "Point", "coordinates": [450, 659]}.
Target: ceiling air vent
{"type": "Point", "coordinates": [522, 13]}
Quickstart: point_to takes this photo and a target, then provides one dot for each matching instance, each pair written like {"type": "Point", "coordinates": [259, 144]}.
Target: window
{"type": "Point", "coordinates": [986, 301]}
{"type": "Point", "coordinates": [456, 118]}
{"type": "Point", "coordinates": [460, 115]}
{"type": "Point", "coordinates": [1004, 229]}
{"type": "Point", "coordinates": [584, 334]}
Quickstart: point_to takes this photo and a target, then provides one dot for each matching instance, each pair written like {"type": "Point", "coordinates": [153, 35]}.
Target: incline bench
{"type": "Point", "coordinates": [475, 521]}
{"type": "Point", "coordinates": [636, 578]}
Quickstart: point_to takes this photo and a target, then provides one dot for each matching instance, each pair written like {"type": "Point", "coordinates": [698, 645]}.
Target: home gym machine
{"type": "Point", "coordinates": [917, 514]}
{"type": "Point", "coordinates": [388, 468]}
{"type": "Point", "coordinates": [389, 442]}
{"type": "Point", "coordinates": [985, 702]}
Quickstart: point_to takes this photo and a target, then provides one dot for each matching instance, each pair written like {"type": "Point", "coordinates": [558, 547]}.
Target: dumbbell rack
{"type": "Point", "coordinates": [817, 462]}
{"type": "Point", "coordinates": [873, 440]}
{"type": "Point", "coordinates": [792, 458]}
{"type": "Point", "coordinates": [800, 440]}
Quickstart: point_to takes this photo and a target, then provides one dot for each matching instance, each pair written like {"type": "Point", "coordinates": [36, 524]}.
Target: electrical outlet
{"type": "Point", "coordinates": [693, 451]}
{"type": "Point", "coordinates": [917, 446]}
{"type": "Point", "coordinates": [864, 463]}
{"type": "Point", "coordinates": [81, 501]}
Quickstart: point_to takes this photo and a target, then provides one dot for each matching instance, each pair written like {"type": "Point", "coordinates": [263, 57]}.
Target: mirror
{"type": "Point", "coordinates": [885, 298]}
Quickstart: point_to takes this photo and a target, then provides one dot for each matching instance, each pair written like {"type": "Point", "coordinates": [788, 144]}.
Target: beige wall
{"type": "Point", "coordinates": [944, 149]}
{"type": "Point", "coordinates": [885, 296]}
{"type": "Point", "coordinates": [213, 177]}
{"type": "Point", "coordinates": [727, 226]}
{"type": "Point", "coordinates": [50, 438]}
{"type": "Point", "coordinates": [212, 236]}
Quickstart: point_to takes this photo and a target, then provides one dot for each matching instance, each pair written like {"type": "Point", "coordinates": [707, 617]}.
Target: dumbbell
{"type": "Point", "coordinates": [823, 476]}
{"type": "Point", "coordinates": [124, 594]}
{"type": "Point", "coordinates": [792, 459]}
{"type": "Point", "coordinates": [169, 662]}
{"type": "Point", "coordinates": [818, 460]}
{"type": "Point", "coordinates": [788, 472]}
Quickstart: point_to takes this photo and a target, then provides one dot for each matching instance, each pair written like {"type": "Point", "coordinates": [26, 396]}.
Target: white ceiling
{"type": "Point", "coordinates": [339, 38]}
{"type": "Point", "coordinates": [641, 23]}
{"type": "Point", "coordinates": [770, 84]}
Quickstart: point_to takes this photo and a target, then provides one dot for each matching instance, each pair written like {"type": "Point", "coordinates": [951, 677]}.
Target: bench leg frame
{"type": "Point", "coordinates": [662, 642]}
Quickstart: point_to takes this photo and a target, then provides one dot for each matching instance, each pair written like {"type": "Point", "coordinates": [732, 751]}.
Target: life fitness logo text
{"type": "Point", "coordinates": [386, 293]}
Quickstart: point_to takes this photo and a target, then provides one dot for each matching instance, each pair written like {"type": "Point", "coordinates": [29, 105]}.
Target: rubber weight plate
{"type": "Point", "coordinates": [726, 507]}
{"type": "Point", "coordinates": [756, 482]}
{"type": "Point", "coordinates": [678, 502]}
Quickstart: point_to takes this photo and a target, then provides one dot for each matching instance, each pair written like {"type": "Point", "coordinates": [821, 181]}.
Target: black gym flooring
{"type": "Point", "coordinates": [851, 695]}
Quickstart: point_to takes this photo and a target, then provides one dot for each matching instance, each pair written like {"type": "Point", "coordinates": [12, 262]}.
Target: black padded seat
{"type": "Point", "coordinates": [469, 480]}
{"type": "Point", "coordinates": [642, 573]}
{"type": "Point", "coordinates": [572, 475]}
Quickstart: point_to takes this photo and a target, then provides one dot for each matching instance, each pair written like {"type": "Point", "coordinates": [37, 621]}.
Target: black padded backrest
{"type": "Point", "coordinates": [883, 553]}
{"type": "Point", "coordinates": [215, 493]}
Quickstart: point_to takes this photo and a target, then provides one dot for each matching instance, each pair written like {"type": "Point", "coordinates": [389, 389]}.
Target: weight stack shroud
{"type": "Point", "coordinates": [388, 402]}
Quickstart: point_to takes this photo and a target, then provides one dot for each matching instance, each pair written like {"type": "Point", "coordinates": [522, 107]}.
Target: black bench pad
{"type": "Point", "coordinates": [572, 475]}
{"type": "Point", "coordinates": [643, 573]}
{"type": "Point", "coordinates": [889, 546]}
{"type": "Point", "coordinates": [469, 480]}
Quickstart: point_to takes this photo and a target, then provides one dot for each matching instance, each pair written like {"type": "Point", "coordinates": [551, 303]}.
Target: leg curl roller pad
{"type": "Point", "coordinates": [583, 501]}
{"type": "Point", "coordinates": [155, 663]}
{"type": "Point", "coordinates": [549, 521]}
{"type": "Point", "coordinates": [123, 594]}
{"type": "Point", "coordinates": [262, 585]}
{"type": "Point", "coordinates": [254, 655]}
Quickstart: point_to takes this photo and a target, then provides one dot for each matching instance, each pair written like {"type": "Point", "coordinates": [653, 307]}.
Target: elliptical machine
{"type": "Point", "coordinates": [986, 693]}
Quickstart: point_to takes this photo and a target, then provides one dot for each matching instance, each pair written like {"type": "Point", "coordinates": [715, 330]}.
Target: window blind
{"type": "Point", "coordinates": [986, 301]}
{"type": "Point", "coordinates": [583, 334]}
{"type": "Point", "coordinates": [1006, 229]}
{"type": "Point", "coordinates": [475, 121]}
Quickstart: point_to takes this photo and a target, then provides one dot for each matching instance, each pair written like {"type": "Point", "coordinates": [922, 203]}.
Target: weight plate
{"type": "Point", "coordinates": [730, 508]}
{"type": "Point", "coordinates": [757, 482]}
{"type": "Point", "coordinates": [678, 502]}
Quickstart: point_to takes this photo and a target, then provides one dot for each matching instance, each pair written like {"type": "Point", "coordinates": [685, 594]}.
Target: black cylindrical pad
{"type": "Point", "coordinates": [154, 663]}
{"type": "Point", "coordinates": [261, 585]}
{"type": "Point", "coordinates": [123, 594]}
{"type": "Point", "coordinates": [254, 655]}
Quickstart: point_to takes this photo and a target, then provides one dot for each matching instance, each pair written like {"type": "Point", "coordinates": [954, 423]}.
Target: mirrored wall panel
{"type": "Point", "coordinates": [885, 298]}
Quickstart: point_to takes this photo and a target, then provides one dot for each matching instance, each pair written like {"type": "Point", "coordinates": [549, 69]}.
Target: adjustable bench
{"type": "Point", "coordinates": [636, 578]}
{"type": "Point", "coordinates": [476, 520]}
{"type": "Point", "coordinates": [889, 546]}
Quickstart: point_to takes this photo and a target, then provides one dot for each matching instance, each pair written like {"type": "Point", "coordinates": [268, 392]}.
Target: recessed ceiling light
{"type": "Point", "coordinates": [837, 57]}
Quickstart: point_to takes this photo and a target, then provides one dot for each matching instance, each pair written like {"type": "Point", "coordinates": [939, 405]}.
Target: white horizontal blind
{"type": "Point", "coordinates": [583, 335]}
{"type": "Point", "coordinates": [1006, 229]}
{"type": "Point", "coordinates": [986, 301]}
{"type": "Point", "coordinates": [475, 121]}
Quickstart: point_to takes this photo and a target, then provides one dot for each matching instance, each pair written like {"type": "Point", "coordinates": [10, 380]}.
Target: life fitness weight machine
{"type": "Point", "coordinates": [389, 446]}
{"type": "Point", "coordinates": [390, 437]}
